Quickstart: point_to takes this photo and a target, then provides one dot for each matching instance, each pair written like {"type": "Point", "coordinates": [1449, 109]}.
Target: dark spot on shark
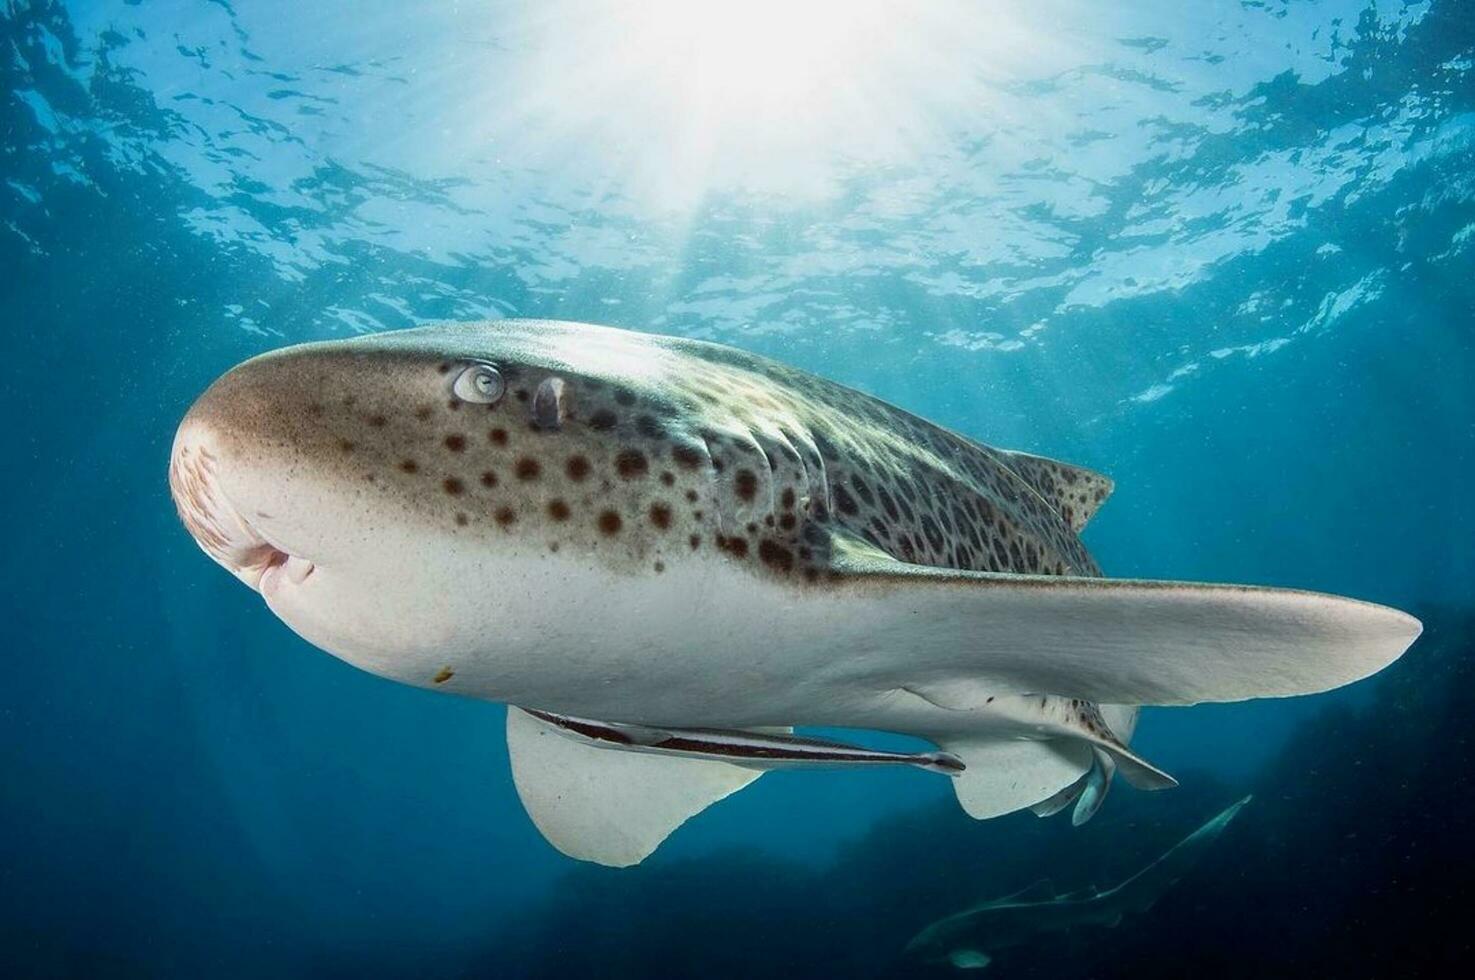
{"type": "Point", "coordinates": [609, 522]}
{"type": "Point", "coordinates": [686, 456]}
{"type": "Point", "coordinates": [455, 442]}
{"type": "Point", "coordinates": [577, 468]}
{"type": "Point", "coordinates": [735, 546]}
{"type": "Point", "coordinates": [505, 516]}
{"type": "Point", "coordinates": [746, 484]}
{"type": "Point", "coordinates": [498, 437]}
{"type": "Point", "coordinates": [409, 466]}
{"type": "Point", "coordinates": [528, 469]}
{"type": "Point", "coordinates": [667, 477]}
{"type": "Point", "coordinates": [488, 478]}
{"type": "Point", "coordinates": [625, 397]}
{"type": "Point", "coordinates": [443, 675]}
{"type": "Point", "coordinates": [695, 541]}
{"type": "Point", "coordinates": [845, 501]}
{"type": "Point", "coordinates": [660, 515]}
{"type": "Point", "coordinates": [558, 510]}
{"type": "Point", "coordinates": [776, 555]}
{"type": "Point", "coordinates": [648, 426]}
{"type": "Point", "coordinates": [461, 519]}
{"type": "Point", "coordinates": [631, 464]}
{"type": "Point", "coordinates": [453, 486]}
{"type": "Point", "coordinates": [378, 421]}
{"type": "Point", "coordinates": [347, 445]}
{"type": "Point", "coordinates": [603, 420]}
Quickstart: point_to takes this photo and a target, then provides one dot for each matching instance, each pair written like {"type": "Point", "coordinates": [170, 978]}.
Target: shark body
{"type": "Point", "coordinates": [972, 938]}
{"type": "Point", "coordinates": [646, 531]}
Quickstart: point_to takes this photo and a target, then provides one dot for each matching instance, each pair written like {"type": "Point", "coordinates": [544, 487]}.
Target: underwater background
{"type": "Point", "coordinates": [1223, 252]}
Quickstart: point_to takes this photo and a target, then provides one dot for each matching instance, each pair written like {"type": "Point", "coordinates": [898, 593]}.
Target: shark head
{"type": "Point", "coordinates": [410, 494]}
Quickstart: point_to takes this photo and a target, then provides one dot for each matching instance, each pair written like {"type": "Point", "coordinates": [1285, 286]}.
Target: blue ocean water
{"type": "Point", "coordinates": [1222, 252]}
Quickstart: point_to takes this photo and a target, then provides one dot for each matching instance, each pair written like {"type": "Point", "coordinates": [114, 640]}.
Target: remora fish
{"type": "Point", "coordinates": [670, 534]}
{"type": "Point", "coordinates": [756, 749]}
{"type": "Point", "coordinates": [969, 939]}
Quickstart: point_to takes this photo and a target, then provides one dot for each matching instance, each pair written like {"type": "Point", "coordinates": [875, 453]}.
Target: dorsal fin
{"type": "Point", "coordinates": [1074, 490]}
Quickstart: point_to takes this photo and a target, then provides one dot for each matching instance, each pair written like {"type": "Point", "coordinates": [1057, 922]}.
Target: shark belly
{"type": "Point", "coordinates": [703, 643]}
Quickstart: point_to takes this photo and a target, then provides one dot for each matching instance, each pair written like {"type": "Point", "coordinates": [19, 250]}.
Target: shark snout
{"type": "Point", "coordinates": [237, 473]}
{"type": "Point", "coordinates": [217, 526]}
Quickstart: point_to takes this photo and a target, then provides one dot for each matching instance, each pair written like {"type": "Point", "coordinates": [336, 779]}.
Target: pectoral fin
{"type": "Point", "coordinates": [609, 807]}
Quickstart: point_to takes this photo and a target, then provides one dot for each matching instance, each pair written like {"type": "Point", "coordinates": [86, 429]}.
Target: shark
{"type": "Point", "coordinates": [665, 554]}
{"type": "Point", "coordinates": [971, 939]}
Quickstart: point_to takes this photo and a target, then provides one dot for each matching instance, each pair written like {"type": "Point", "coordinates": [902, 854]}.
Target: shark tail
{"type": "Point", "coordinates": [1138, 893]}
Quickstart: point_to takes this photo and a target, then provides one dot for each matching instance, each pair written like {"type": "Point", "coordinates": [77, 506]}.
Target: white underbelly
{"type": "Point", "coordinates": [707, 642]}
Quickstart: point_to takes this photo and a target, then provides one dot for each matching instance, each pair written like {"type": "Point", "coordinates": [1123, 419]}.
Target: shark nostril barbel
{"type": "Point", "coordinates": [550, 403]}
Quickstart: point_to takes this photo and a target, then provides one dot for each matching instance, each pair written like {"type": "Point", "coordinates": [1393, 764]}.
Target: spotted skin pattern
{"type": "Point", "coordinates": [648, 456]}
{"type": "Point", "coordinates": [703, 449]}
{"type": "Point", "coordinates": [669, 534]}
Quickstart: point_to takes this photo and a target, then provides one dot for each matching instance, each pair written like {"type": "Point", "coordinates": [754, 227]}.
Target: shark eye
{"type": "Point", "coordinates": [480, 383]}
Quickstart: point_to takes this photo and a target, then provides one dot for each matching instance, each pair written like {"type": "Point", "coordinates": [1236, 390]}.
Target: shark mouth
{"type": "Point", "coordinates": [221, 531]}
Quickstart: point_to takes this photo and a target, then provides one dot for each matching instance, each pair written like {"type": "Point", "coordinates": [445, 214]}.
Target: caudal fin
{"type": "Point", "coordinates": [1139, 892]}
{"type": "Point", "coordinates": [1106, 640]}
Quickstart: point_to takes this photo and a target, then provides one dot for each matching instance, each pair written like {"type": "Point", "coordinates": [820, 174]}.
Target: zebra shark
{"type": "Point", "coordinates": [663, 554]}
{"type": "Point", "coordinates": [969, 940]}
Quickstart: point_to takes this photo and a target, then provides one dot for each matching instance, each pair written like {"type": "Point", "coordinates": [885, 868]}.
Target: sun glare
{"type": "Point", "coordinates": [774, 58]}
{"type": "Point", "coordinates": [773, 96]}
